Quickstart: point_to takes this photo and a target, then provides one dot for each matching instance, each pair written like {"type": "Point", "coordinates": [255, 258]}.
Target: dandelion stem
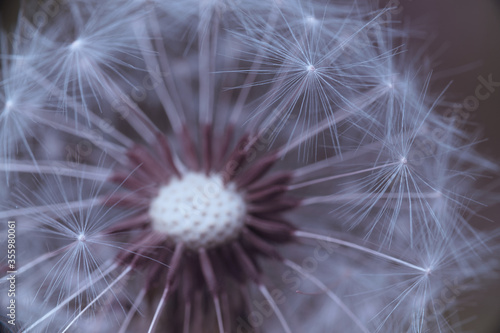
{"type": "Point", "coordinates": [330, 293]}
{"type": "Point", "coordinates": [276, 310]}
{"type": "Point", "coordinates": [304, 234]}
{"type": "Point", "coordinates": [121, 276]}
{"type": "Point", "coordinates": [133, 310]}
{"type": "Point", "coordinates": [156, 316]}
{"type": "Point", "coordinates": [80, 109]}
{"type": "Point", "coordinates": [218, 313]}
{"type": "Point", "coordinates": [256, 64]}
{"type": "Point", "coordinates": [187, 318]}
{"type": "Point", "coordinates": [38, 260]}
{"type": "Point", "coordinates": [206, 63]}
{"type": "Point", "coordinates": [212, 284]}
{"type": "Point", "coordinates": [334, 119]}
{"type": "Point", "coordinates": [174, 266]}
{"type": "Point", "coordinates": [161, 90]}
{"type": "Point", "coordinates": [139, 121]}
{"type": "Point", "coordinates": [60, 208]}
{"type": "Point", "coordinates": [116, 151]}
{"type": "Point", "coordinates": [89, 284]}
{"type": "Point", "coordinates": [363, 196]}
{"type": "Point", "coordinates": [328, 162]}
{"type": "Point", "coordinates": [320, 180]}
{"type": "Point", "coordinates": [164, 63]}
{"type": "Point", "coordinates": [55, 168]}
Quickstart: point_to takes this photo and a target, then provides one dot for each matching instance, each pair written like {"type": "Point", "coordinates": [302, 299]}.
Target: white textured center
{"type": "Point", "coordinates": [198, 210]}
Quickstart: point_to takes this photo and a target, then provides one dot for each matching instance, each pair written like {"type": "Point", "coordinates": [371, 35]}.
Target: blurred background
{"type": "Point", "coordinates": [464, 38]}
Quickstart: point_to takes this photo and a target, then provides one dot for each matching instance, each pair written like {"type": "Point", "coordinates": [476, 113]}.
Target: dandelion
{"type": "Point", "coordinates": [235, 167]}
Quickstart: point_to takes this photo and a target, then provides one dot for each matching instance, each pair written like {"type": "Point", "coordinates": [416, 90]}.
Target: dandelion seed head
{"type": "Point", "coordinates": [9, 105]}
{"type": "Point", "coordinates": [391, 83]}
{"type": "Point", "coordinates": [198, 210]}
{"type": "Point", "coordinates": [81, 238]}
{"type": "Point", "coordinates": [311, 20]}
{"type": "Point", "coordinates": [310, 68]}
{"type": "Point", "coordinates": [76, 45]}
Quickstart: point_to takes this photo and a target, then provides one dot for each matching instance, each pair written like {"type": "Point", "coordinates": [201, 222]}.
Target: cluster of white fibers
{"type": "Point", "coordinates": [234, 167]}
